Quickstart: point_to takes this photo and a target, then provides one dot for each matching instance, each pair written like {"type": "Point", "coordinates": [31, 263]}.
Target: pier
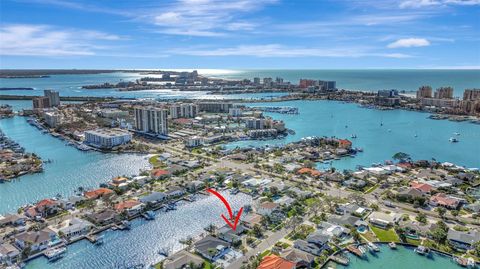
{"type": "Point", "coordinates": [278, 109]}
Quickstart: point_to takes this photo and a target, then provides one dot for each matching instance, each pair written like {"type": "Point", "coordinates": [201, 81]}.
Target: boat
{"type": "Point", "coordinates": [373, 247]}
{"type": "Point", "coordinates": [463, 262]}
{"type": "Point", "coordinates": [362, 249]}
{"type": "Point", "coordinates": [457, 134]}
{"type": "Point", "coordinates": [471, 263]}
{"type": "Point", "coordinates": [392, 245]}
{"type": "Point", "coordinates": [355, 250]}
{"type": "Point", "coordinates": [55, 253]}
{"type": "Point", "coordinates": [125, 225]}
{"type": "Point", "coordinates": [422, 250]}
{"type": "Point", "coordinates": [99, 240]}
{"type": "Point", "coordinates": [234, 191]}
{"type": "Point", "coordinates": [171, 206]}
{"type": "Point", "coordinates": [354, 136]}
{"type": "Point", "coordinates": [149, 215]}
{"type": "Point", "coordinates": [453, 140]}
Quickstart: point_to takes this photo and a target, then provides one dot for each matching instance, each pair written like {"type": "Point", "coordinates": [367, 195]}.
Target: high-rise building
{"type": "Point", "coordinates": [53, 97]}
{"type": "Point", "coordinates": [305, 83]}
{"type": "Point", "coordinates": [52, 119]}
{"type": "Point", "coordinates": [267, 82]}
{"type": "Point", "coordinates": [471, 94]}
{"type": "Point", "coordinates": [256, 81]}
{"type": "Point", "coordinates": [424, 92]}
{"type": "Point", "coordinates": [41, 102]}
{"type": "Point", "coordinates": [326, 85]}
{"type": "Point", "coordinates": [387, 93]}
{"type": "Point", "coordinates": [152, 120]}
{"type": "Point", "coordinates": [214, 107]}
{"type": "Point", "coordinates": [102, 138]}
{"type": "Point", "coordinates": [183, 111]}
{"type": "Point", "coordinates": [444, 93]}
{"type": "Point", "coordinates": [254, 123]}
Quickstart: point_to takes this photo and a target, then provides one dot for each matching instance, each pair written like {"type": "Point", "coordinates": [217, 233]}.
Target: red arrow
{"type": "Point", "coordinates": [227, 205]}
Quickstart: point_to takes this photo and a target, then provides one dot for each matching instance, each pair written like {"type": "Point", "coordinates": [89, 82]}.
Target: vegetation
{"type": "Point", "coordinates": [385, 235]}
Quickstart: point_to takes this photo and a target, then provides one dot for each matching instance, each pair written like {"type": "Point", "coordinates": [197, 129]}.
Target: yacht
{"type": "Point", "coordinates": [149, 215]}
{"type": "Point", "coordinates": [453, 140]}
{"type": "Point", "coordinates": [456, 133]}
{"type": "Point", "coordinates": [99, 240]}
{"type": "Point", "coordinates": [55, 253]}
{"type": "Point", "coordinates": [422, 250]}
{"type": "Point", "coordinates": [392, 245]}
{"type": "Point", "coordinates": [354, 136]}
{"type": "Point", "coordinates": [373, 247]}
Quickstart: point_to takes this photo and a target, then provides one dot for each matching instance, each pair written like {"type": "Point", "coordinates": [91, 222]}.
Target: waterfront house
{"type": "Point", "coordinates": [195, 185]}
{"type": "Point", "coordinates": [251, 220]}
{"type": "Point", "coordinates": [44, 208]}
{"type": "Point", "coordinates": [102, 218]}
{"type": "Point", "coordinates": [309, 247]}
{"type": "Point", "coordinates": [98, 193]}
{"type": "Point", "coordinates": [227, 234]}
{"type": "Point", "coordinates": [346, 221]}
{"type": "Point", "coordinates": [320, 239]}
{"type": "Point", "coordinates": [444, 200]}
{"type": "Point", "coordinates": [119, 182]}
{"type": "Point", "coordinates": [383, 220]}
{"type": "Point", "coordinates": [275, 262]}
{"type": "Point", "coordinates": [75, 228]}
{"type": "Point", "coordinates": [9, 254]}
{"type": "Point", "coordinates": [423, 187]}
{"type": "Point", "coordinates": [153, 198]}
{"type": "Point", "coordinates": [463, 240]}
{"type": "Point", "coordinates": [211, 248]}
{"type": "Point", "coordinates": [301, 258]}
{"type": "Point", "coordinates": [175, 191]}
{"type": "Point", "coordinates": [12, 219]}
{"type": "Point", "coordinates": [35, 240]}
{"type": "Point", "coordinates": [414, 229]}
{"type": "Point", "coordinates": [182, 259]}
{"type": "Point", "coordinates": [131, 207]}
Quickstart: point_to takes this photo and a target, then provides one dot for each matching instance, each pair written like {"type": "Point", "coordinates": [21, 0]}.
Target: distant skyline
{"type": "Point", "coordinates": [243, 34]}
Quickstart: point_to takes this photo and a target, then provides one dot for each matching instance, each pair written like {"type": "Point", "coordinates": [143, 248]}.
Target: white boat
{"type": "Point", "coordinates": [55, 253]}
{"type": "Point", "coordinates": [422, 250]}
{"type": "Point", "coordinates": [457, 134]}
{"type": "Point", "coordinates": [392, 245]}
{"type": "Point", "coordinates": [373, 247]}
{"type": "Point", "coordinates": [453, 140]}
{"type": "Point", "coordinates": [362, 249]}
{"type": "Point", "coordinates": [471, 263]}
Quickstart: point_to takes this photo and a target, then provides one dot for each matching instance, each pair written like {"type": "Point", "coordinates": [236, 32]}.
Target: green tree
{"type": "Point", "coordinates": [401, 156]}
{"type": "Point", "coordinates": [421, 217]}
{"type": "Point", "coordinates": [441, 212]}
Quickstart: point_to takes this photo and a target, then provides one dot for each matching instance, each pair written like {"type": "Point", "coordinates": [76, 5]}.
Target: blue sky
{"type": "Point", "coordinates": [324, 34]}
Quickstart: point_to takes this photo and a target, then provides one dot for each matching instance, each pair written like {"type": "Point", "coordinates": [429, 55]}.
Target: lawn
{"type": "Point", "coordinates": [385, 235]}
{"type": "Point", "coordinates": [310, 201]}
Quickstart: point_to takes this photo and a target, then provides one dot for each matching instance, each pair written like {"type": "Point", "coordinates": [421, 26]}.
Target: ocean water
{"type": "Point", "coordinates": [69, 169]}
{"type": "Point", "coordinates": [372, 79]}
{"type": "Point", "coordinates": [380, 142]}
{"type": "Point", "coordinates": [70, 85]}
{"type": "Point", "coordinates": [140, 245]}
{"type": "Point", "coordinates": [401, 258]}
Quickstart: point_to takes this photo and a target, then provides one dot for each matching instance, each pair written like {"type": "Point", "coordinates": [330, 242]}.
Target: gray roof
{"type": "Point", "coordinates": [154, 197]}
{"type": "Point", "coordinates": [343, 220]}
{"type": "Point", "coordinates": [209, 242]}
{"type": "Point", "coordinates": [469, 237]}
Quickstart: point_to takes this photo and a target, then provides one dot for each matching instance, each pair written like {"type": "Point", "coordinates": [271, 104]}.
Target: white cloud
{"type": "Point", "coordinates": [431, 3]}
{"type": "Point", "coordinates": [205, 17]}
{"type": "Point", "coordinates": [279, 51]}
{"type": "Point", "coordinates": [409, 42]}
{"type": "Point", "coordinates": [44, 40]}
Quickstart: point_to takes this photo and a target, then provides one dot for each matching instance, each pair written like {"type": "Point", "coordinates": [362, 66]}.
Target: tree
{"type": "Point", "coordinates": [374, 206]}
{"type": "Point", "coordinates": [355, 234]}
{"type": "Point", "coordinates": [257, 231]}
{"type": "Point", "coordinates": [422, 218]}
{"type": "Point", "coordinates": [401, 156]}
{"type": "Point", "coordinates": [439, 233]}
{"type": "Point", "coordinates": [454, 213]}
{"type": "Point", "coordinates": [441, 212]}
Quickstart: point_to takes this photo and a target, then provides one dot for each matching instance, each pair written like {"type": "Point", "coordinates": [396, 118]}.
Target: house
{"type": "Point", "coordinates": [463, 240]}
{"type": "Point", "coordinates": [301, 258]}
{"type": "Point", "coordinates": [98, 193]}
{"type": "Point", "coordinates": [423, 187]}
{"type": "Point", "coordinates": [227, 234]}
{"type": "Point", "coordinates": [351, 209]}
{"type": "Point", "coordinates": [383, 220]}
{"type": "Point", "coordinates": [285, 200]}
{"type": "Point", "coordinates": [275, 262]}
{"type": "Point", "coordinates": [160, 173]}
{"type": "Point", "coordinates": [9, 254]}
{"type": "Point", "coordinates": [36, 240]}
{"type": "Point", "coordinates": [441, 199]}
{"type": "Point", "coordinates": [211, 248]}
{"type": "Point", "coordinates": [119, 182]}
{"type": "Point", "coordinates": [309, 171]}
{"type": "Point", "coordinates": [175, 191]}
{"type": "Point", "coordinates": [410, 194]}
{"type": "Point", "coordinates": [131, 207]}
{"type": "Point", "coordinates": [267, 208]}
{"type": "Point", "coordinates": [75, 228]}
{"type": "Point", "coordinates": [415, 229]}
{"type": "Point", "coordinates": [182, 259]}
{"type": "Point", "coordinates": [336, 227]}
{"type": "Point", "coordinates": [44, 208]}
{"type": "Point", "coordinates": [300, 193]}
{"type": "Point", "coordinates": [252, 219]}
{"type": "Point", "coordinates": [195, 185]}
{"type": "Point", "coordinates": [102, 218]}
{"type": "Point", "coordinates": [153, 198]}
{"type": "Point", "coordinates": [309, 247]}
{"type": "Point", "coordinates": [475, 208]}
{"type": "Point", "coordinates": [12, 219]}
{"type": "Point", "coordinates": [319, 239]}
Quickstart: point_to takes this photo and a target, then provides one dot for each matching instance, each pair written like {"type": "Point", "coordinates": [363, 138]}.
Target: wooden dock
{"type": "Point", "coordinates": [354, 250]}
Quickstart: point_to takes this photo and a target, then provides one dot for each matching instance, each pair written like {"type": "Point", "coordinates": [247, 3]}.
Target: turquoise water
{"type": "Point", "coordinates": [142, 243]}
{"type": "Point", "coordinates": [401, 258]}
{"type": "Point", "coordinates": [69, 170]}
{"type": "Point", "coordinates": [380, 143]}
{"type": "Point", "coordinates": [375, 79]}
{"type": "Point", "coordinates": [70, 85]}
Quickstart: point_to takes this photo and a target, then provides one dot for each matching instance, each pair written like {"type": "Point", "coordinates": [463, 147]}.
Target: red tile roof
{"type": "Point", "coordinates": [159, 172]}
{"type": "Point", "coordinates": [344, 143]}
{"type": "Point", "coordinates": [97, 193]}
{"type": "Point", "coordinates": [126, 205]}
{"type": "Point", "coordinates": [275, 262]}
{"type": "Point", "coordinates": [46, 202]}
{"type": "Point", "coordinates": [312, 172]}
{"type": "Point", "coordinates": [423, 187]}
{"type": "Point", "coordinates": [444, 200]}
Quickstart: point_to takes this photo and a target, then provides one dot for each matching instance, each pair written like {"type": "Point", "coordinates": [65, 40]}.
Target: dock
{"type": "Point", "coordinates": [355, 250]}
{"type": "Point", "coordinates": [340, 260]}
